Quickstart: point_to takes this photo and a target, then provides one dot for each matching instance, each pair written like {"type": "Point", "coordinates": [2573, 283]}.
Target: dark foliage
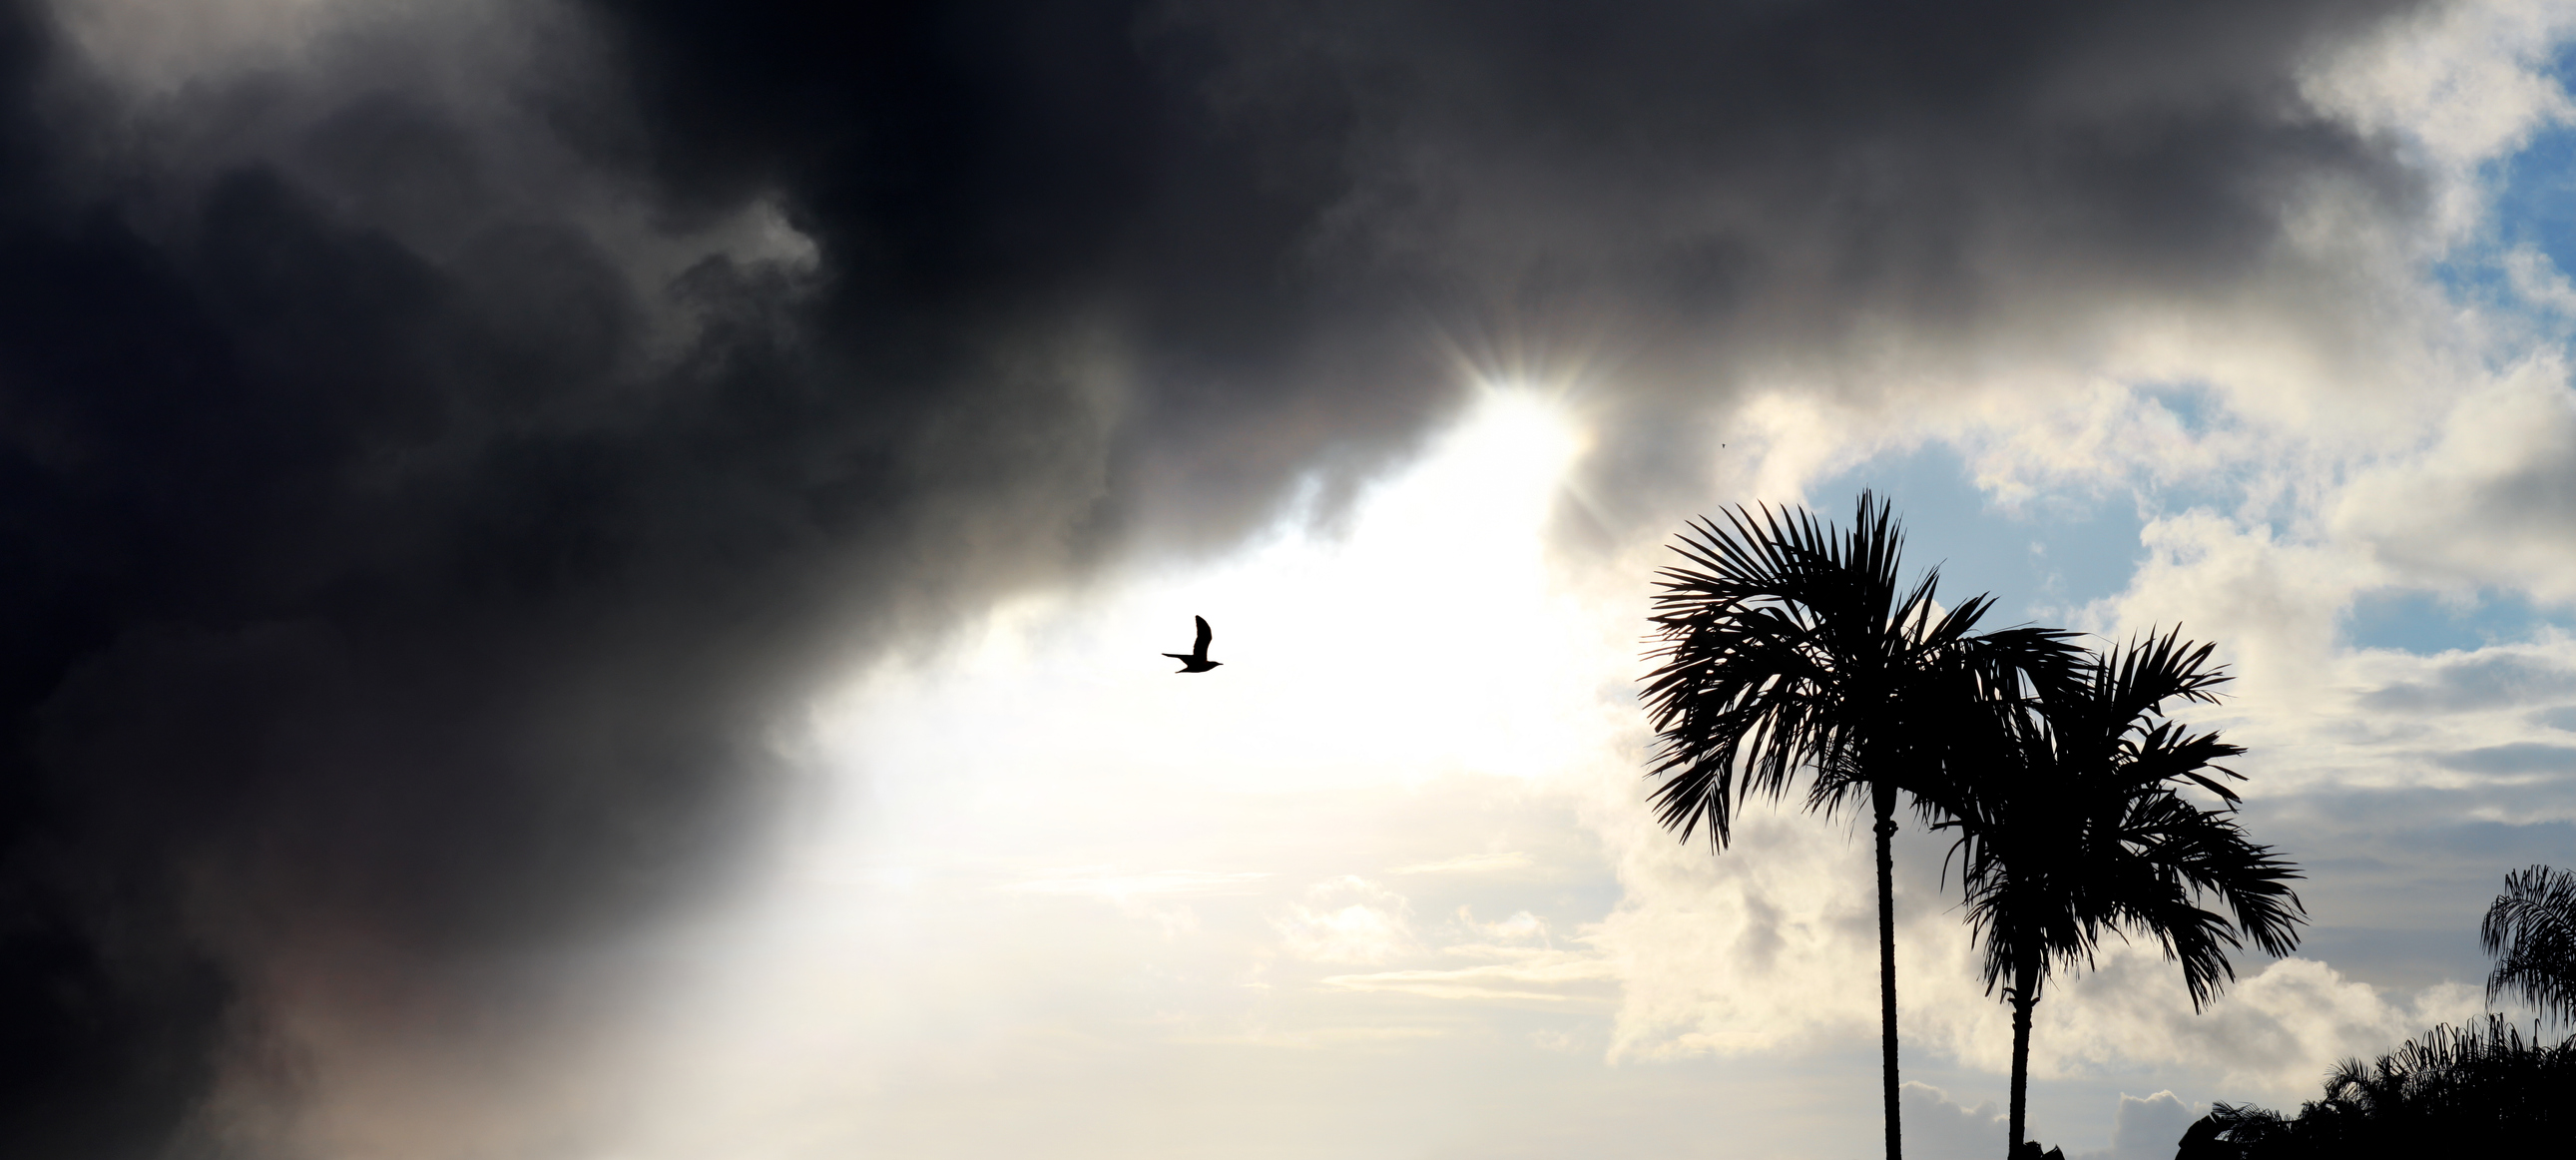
{"type": "Point", "coordinates": [2079, 829]}
{"type": "Point", "coordinates": [1794, 648]}
{"type": "Point", "coordinates": [2479, 1090]}
{"type": "Point", "coordinates": [2531, 931]}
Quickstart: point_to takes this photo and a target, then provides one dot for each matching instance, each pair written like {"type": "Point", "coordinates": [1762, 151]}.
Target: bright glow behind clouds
{"type": "Point", "coordinates": [1051, 864]}
{"type": "Point", "coordinates": [1421, 642]}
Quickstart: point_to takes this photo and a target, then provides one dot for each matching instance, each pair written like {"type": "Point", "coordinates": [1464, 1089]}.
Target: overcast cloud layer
{"type": "Point", "coordinates": [445, 449]}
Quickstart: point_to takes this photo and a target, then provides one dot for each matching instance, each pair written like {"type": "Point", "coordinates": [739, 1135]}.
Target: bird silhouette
{"type": "Point", "coordinates": [1195, 660]}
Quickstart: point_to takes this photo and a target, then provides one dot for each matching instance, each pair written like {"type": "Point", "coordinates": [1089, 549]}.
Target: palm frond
{"type": "Point", "coordinates": [1788, 648]}
{"type": "Point", "coordinates": [2531, 930]}
{"type": "Point", "coordinates": [2079, 830]}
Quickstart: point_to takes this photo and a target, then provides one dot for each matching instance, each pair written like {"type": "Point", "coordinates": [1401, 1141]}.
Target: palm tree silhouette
{"type": "Point", "coordinates": [2079, 830]}
{"type": "Point", "coordinates": [2531, 930]}
{"type": "Point", "coordinates": [1790, 647]}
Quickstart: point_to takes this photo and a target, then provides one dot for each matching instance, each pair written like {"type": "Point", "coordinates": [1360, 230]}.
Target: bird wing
{"type": "Point", "coordinates": [1205, 635]}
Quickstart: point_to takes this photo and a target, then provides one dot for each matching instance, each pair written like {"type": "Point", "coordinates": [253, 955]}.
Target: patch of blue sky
{"type": "Point", "coordinates": [2195, 405]}
{"type": "Point", "coordinates": [2418, 621]}
{"type": "Point", "coordinates": [2041, 560]}
{"type": "Point", "coordinates": [2533, 204]}
{"type": "Point", "coordinates": [2200, 409]}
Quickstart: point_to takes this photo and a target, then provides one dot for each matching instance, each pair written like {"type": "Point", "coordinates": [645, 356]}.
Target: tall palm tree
{"type": "Point", "coordinates": [2079, 830]}
{"type": "Point", "coordinates": [2531, 931]}
{"type": "Point", "coordinates": [1790, 648]}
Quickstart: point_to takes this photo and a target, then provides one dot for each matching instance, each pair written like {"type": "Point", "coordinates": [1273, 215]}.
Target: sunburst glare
{"type": "Point", "coordinates": [1053, 752]}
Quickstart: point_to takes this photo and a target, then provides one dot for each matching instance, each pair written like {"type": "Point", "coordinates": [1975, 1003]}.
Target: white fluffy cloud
{"type": "Point", "coordinates": [1938, 1129]}
{"type": "Point", "coordinates": [2145, 1129]}
{"type": "Point", "coordinates": [1348, 920]}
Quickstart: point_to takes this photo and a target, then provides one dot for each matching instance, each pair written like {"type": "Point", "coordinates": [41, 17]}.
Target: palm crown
{"type": "Point", "coordinates": [1791, 647]}
{"type": "Point", "coordinates": [2079, 830]}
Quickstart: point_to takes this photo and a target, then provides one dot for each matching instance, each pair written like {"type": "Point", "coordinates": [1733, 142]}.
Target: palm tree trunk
{"type": "Point", "coordinates": [1883, 798]}
{"type": "Point", "coordinates": [2025, 995]}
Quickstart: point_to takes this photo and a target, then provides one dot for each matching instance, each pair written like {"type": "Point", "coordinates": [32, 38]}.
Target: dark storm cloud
{"type": "Point", "coordinates": [1297, 193]}
{"type": "Point", "coordinates": [1732, 194]}
{"type": "Point", "coordinates": [404, 552]}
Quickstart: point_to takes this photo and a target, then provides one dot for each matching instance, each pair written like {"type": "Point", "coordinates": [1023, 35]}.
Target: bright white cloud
{"type": "Point", "coordinates": [1537, 976]}
{"type": "Point", "coordinates": [1348, 920]}
{"type": "Point", "coordinates": [1936, 1127]}
{"type": "Point", "coordinates": [1468, 864]}
{"type": "Point", "coordinates": [2462, 514]}
{"type": "Point", "coordinates": [1109, 884]}
{"type": "Point", "coordinates": [1521, 928]}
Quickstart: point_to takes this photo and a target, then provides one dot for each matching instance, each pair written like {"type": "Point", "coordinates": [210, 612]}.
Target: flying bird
{"type": "Point", "coordinates": [1195, 660]}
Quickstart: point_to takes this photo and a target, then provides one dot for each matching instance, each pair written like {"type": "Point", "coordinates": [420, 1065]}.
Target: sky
{"type": "Point", "coordinates": [587, 577]}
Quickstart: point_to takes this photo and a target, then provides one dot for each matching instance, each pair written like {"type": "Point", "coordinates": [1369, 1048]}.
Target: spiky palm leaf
{"type": "Point", "coordinates": [2531, 931]}
{"type": "Point", "coordinates": [1793, 649]}
{"type": "Point", "coordinates": [2139, 862]}
{"type": "Point", "coordinates": [2081, 831]}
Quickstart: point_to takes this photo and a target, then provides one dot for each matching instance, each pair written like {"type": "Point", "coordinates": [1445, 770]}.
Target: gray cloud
{"type": "Point", "coordinates": [2396, 879]}
{"type": "Point", "coordinates": [1936, 1127]}
{"type": "Point", "coordinates": [2516, 757]}
{"type": "Point", "coordinates": [2485, 682]}
{"type": "Point", "coordinates": [2145, 1129]}
{"type": "Point", "coordinates": [436, 459]}
{"type": "Point", "coordinates": [2492, 504]}
{"type": "Point", "coordinates": [1717, 193]}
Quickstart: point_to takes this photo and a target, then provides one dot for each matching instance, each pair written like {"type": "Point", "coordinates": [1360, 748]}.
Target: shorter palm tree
{"type": "Point", "coordinates": [2531, 931]}
{"type": "Point", "coordinates": [2080, 830]}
